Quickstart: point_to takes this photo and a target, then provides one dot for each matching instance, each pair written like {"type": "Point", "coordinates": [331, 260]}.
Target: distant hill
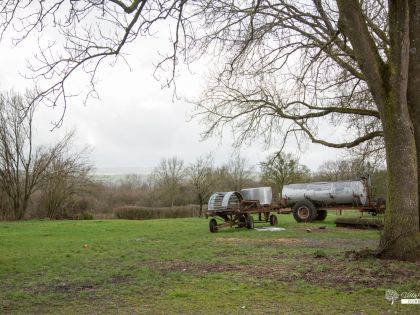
{"type": "Point", "coordinates": [115, 174]}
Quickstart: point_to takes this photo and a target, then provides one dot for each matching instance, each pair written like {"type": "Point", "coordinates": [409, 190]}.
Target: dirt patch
{"type": "Point", "coordinates": [287, 241]}
{"type": "Point", "coordinates": [340, 243]}
{"type": "Point", "coordinates": [165, 267]}
{"type": "Point", "coordinates": [342, 273]}
{"type": "Point", "coordinates": [326, 272]}
{"type": "Point", "coordinates": [119, 279]}
{"type": "Point", "coordinates": [70, 288]}
{"type": "Point", "coordinates": [201, 268]}
{"type": "Point", "coordinates": [77, 287]}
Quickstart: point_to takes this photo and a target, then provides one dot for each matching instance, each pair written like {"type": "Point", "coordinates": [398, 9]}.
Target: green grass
{"type": "Point", "coordinates": [177, 266]}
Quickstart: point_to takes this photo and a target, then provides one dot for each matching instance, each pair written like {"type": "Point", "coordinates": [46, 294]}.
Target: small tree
{"type": "Point", "coordinates": [239, 173]}
{"type": "Point", "coordinates": [67, 175]}
{"type": "Point", "coordinates": [200, 175]}
{"type": "Point", "coordinates": [22, 165]}
{"type": "Point", "coordinates": [168, 176]}
{"type": "Point", "coordinates": [283, 168]}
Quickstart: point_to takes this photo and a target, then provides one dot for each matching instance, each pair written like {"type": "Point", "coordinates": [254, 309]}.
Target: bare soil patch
{"type": "Point", "coordinates": [287, 241]}
{"type": "Point", "coordinates": [325, 272]}
{"type": "Point", "coordinates": [70, 288]}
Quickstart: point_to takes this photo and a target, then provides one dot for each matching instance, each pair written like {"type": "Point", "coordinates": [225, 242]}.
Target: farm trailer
{"type": "Point", "coordinates": [236, 209]}
{"type": "Point", "coordinates": [311, 201]}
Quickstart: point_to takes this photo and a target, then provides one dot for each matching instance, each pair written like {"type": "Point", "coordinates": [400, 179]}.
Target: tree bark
{"type": "Point", "coordinates": [201, 201]}
{"type": "Point", "coordinates": [388, 84]}
{"type": "Point", "coordinates": [401, 231]}
{"type": "Point", "coordinates": [400, 239]}
{"type": "Point", "coordinates": [413, 90]}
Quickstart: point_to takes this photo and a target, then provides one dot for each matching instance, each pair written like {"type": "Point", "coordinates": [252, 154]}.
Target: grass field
{"type": "Point", "coordinates": [177, 266]}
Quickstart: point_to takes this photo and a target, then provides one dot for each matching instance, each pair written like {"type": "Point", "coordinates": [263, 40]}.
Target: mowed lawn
{"type": "Point", "coordinates": [177, 266]}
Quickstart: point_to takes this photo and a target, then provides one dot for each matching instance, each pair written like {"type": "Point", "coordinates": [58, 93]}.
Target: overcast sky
{"type": "Point", "coordinates": [136, 122]}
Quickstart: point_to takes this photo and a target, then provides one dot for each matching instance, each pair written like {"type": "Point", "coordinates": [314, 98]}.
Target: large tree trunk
{"type": "Point", "coordinates": [413, 91]}
{"type": "Point", "coordinates": [388, 84]}
{"type": "Point", "coordinates": [401, 232]}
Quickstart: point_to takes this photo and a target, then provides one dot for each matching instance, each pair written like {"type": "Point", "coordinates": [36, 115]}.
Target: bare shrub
{"type": "Point", "coordinates": [144, 213]}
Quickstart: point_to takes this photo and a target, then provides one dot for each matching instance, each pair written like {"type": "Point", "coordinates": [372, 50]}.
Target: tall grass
{"type": "Point", "coordinates": [145, 213]}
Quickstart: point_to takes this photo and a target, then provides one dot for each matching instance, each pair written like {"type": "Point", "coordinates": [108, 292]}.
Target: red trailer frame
{"type": "Point", "coordinates": [242, 216]}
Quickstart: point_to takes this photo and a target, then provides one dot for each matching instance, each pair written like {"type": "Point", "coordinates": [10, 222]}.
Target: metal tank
{"type": "Point", "coordinates": [263, 194]}
{"type": "Point", "coordinates": [220, 201]}
{"type": "Point", "coordinates": [327, 193]}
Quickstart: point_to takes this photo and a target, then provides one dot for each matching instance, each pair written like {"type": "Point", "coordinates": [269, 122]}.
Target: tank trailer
{"type": "Point", "coordinates": [307, 201]}
{"type": "Point", "coordinates": [310, 201]}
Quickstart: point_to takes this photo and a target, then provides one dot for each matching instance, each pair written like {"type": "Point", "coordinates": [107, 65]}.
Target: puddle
{"type": "Point", "coordinates": [270, 229]}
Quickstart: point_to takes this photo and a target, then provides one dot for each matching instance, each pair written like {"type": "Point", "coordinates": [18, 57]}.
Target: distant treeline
{"type": "Point", "coordinates": [56, 181]}
{"type": "Point", "coordinates": [178, 190]}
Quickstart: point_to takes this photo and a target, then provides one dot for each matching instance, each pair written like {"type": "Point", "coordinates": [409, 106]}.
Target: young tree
{"type": "Point", "coordinates": [281, 169]}
{"type": "Point", "coordinates": [221, 178]}
{"type": "Point", "coordinates": [287, 68]}
{"type": "Point", "coordinates": [23, 166]}
{"type": "Point", "coordinates": [200, 175]}
{"type": "Point", "coordinates": [65, 177]}
{"type": "Point", "coordinates": [169, 175]}
{"type": "Point", "coordinates": [239, 173]}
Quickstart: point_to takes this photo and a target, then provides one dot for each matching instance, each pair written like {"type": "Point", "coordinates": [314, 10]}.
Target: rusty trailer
{"type": "Point", "coordinates": [236, 211]}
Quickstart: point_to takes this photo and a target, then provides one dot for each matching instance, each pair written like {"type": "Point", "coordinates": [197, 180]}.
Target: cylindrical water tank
{"type": "Point", "coordinates": [220, 201]}
{"type": "Point", "coordinates": [263, 194]}
{"type": "Point", "coordinates": [327, 193]}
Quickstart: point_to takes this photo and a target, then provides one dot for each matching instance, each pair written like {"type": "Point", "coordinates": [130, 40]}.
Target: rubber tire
{"type": "Point", "coordinates": [273, 220]}
{"type": "Point", "coordinates": [249, 222]}
{"type": "Point", "coordinates": [311, 208]}
{"type": "Point", "coordinates": [242, 221]}
{"type": "Point", "coordinates": [213, 225]}
{"type": "Point", "coordinates": [321, 215]}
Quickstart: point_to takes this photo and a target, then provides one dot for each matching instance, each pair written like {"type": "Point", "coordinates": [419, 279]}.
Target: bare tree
{"type": "Point", "coordinates": [239, 173]}
{"type": "Point", "coordinates": [169, 175]}
{"type": "Point", "coordinates": [287, 68]}
{"type": "Point", "coordinates": [67, 175]}
{"type": "Point", "coordinates": [131, 182]}
{"type": "Point", "coordinates": [200, 175]}
{"type": "Point", "coordinates": [93, 33]}
{"type": "Point", "coordinates": [295, 66]}
{"type": "Point", "coordinates": [344, 169]}
{"type": "Point", "coordinates": [221, 178]}
{"type": "Point", "coordinates": [283, 168]}
{"type": "Point", "coordinates": [22, 165]}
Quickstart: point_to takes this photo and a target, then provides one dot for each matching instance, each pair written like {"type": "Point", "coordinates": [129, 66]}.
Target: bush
{"type": "Point", "coordinates": [144, 213]}
{"type": "Point", "coordinates": [86, 215]}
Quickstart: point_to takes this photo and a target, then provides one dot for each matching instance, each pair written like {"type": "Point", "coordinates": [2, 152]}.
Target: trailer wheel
{"type": "Point", "coordinates": [321, 215]}
{"type": "Point", "coordinates": [304, 211]}
{"type": "Point", "coordinates": [213, 225]}
{"type": "Point", "coordinates": [242, 220]}
{"type": "Point", "coordinates": [273, 219]}
{"type": "Point", "coordinates": [249, 221]}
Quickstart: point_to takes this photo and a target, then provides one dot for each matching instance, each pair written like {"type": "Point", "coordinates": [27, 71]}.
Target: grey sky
{"type": "Point", "coordinates": [136, 123]}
